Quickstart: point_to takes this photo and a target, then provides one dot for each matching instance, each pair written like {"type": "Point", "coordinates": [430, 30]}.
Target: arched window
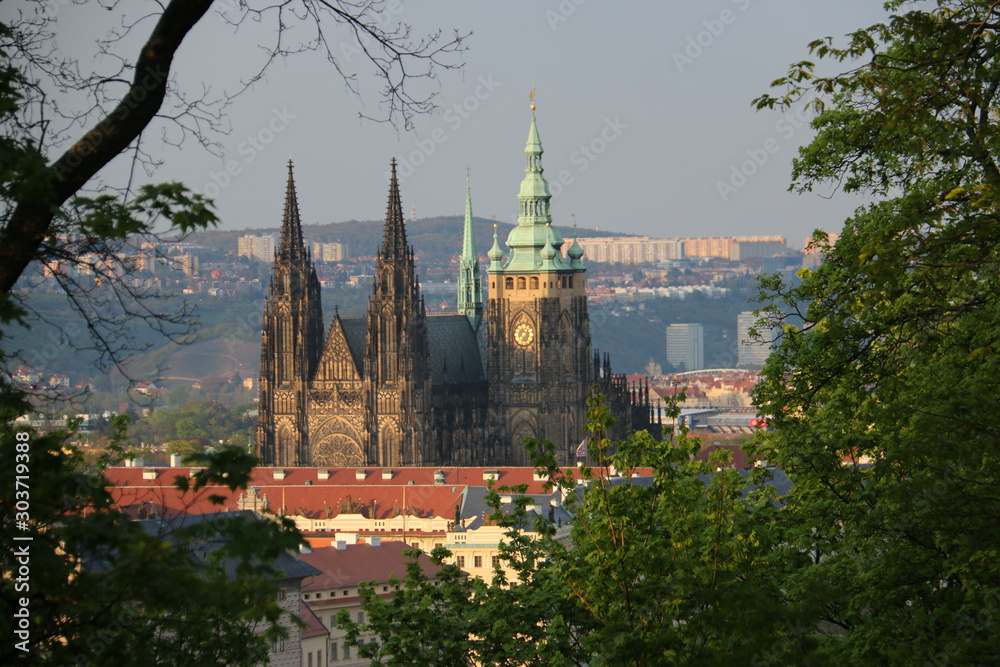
{"type": "Point", "coordinates": [534, 282]}
{"type": "Point", "coordinates": [508, 283]}
{"type": "Point", "coordinates": [521, 283]}
{"type": "Point", "coordinates": [284, 447]}
{"type": "Point", "coordinates": [571, 282]}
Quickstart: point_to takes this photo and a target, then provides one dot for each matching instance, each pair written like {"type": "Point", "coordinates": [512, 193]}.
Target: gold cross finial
{"type": "Point", "coordinates": [468, 174]}
{"type": "Point", "coordinates": [531, 96]}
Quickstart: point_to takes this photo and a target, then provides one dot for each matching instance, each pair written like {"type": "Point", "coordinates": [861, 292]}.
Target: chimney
{"type": "Point", "coordinates": [375, 541]}
{"type": "Point", "coordinates": [149, 473]}
{"type": "Point", "coordinates": [439, 476]}
{"type": "Point", "coordinates": [540, 475]}
{"type": "Point", "coordinates": [279, 473]}
{"type": "Point", "coordinates": [305, 548]}
{"type": "Point", "coordinates": [341, 545]}
{"type": "Point", "coordinates": [387, 473]}
{"type": "Point", "coordinates": [490, 475]}
{"type": "Point", "coordinates": [323, 473]}
{"type": "Point", "coordinates": [175, 460]}
{"type": "Point", "coordinates": [360, 474]}
{"type": "Point", "coordinates": [137, 463]}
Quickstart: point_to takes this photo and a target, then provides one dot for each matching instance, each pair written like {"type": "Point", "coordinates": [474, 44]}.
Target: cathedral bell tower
{"type": "Point", "coordinates": [539, 361]}
{"type": "Point", "coordinates": [291, 345]}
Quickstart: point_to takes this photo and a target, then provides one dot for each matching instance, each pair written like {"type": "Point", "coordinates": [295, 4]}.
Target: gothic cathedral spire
{"type": "Point", "coordinates": [394, 245]}
{"type": "Point", "coordinates": [470, 286]}
{"type": "Point", "coordinates": [397, 357]}
{"type": "Point", "coordinates": [291, 247]}
{"type": "Point", "coordinates": [292, 343]}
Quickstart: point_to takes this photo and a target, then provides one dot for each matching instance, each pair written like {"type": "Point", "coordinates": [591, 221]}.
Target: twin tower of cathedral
{"type": "Point", "coordinates": [401, 387]}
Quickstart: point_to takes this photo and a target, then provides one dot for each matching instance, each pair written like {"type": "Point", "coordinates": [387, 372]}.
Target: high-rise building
{"type": "Point", "coordinates": [399, 386]}
{"type": "Point", "coordinates": [630, 249]}
{"type": "Point", "coordinates": [329, 252]}
{"type": "Point", "coordinates": [188, 263]}
{"type": "Point", "coordinates": [260, 248]}
{"type": "Point", "coordinates": [686, 346]}
{"type": "Point", "coordinates": [752, 351]}
{"type": "Point", "coordinates": [711, 246]}
{"type": "Point", "coordinates": [754, 247]}
{"type": "Point", "coordinates": [812, 254]}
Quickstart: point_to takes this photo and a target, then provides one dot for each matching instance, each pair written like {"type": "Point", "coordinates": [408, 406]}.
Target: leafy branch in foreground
{"type": "Point", "coordinates": [883, 403]}
{"type": "Point", "coordinates": [681, 565]}
{"type": "Point", "coordinates": [106, 590]}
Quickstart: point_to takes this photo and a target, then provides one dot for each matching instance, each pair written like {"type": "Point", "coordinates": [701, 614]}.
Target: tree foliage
{"type": "Point", "coordinates": [679, 567]}
{"type": "Point", "coordinates": [517, 619]}
{"type": "Point", "coordinates": [205, 421]}
{"type": "Point", "coordinates": [884, 403]}
{"type": "Point", "coordinates": [97, 588]}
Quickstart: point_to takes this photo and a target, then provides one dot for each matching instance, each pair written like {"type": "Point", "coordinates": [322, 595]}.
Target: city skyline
{"type": "Point", "coordinates": [647, 118]}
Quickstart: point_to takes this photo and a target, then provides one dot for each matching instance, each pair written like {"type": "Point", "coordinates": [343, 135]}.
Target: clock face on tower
{"type": "Point", "coordinates": [524, 334]}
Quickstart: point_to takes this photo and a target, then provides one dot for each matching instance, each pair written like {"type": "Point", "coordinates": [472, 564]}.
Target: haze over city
{"type": "Point", "coordinates": [644, 112]}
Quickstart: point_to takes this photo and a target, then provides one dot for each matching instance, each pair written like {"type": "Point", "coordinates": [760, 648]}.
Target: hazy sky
{"type": "Point", "coordinates": [643, 110]}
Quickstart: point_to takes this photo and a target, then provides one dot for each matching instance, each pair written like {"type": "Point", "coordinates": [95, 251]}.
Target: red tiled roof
{"type": "Point", "coordinates": [314, 626]}
{"type": "Point", "coordinates": [302, 492]}
{"type": "Point", "coordinates": [360, 562]}
{"type": "Point", "coordinates": [740, 459]}
{"type": "Point", "coordinates": [347, 476]}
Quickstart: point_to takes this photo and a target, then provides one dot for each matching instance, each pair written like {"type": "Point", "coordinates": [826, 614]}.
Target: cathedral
{"type": "Point", "coordinates": [401, 387]}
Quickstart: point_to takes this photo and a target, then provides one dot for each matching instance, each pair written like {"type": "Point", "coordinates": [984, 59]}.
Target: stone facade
{"type": "Point", "coordinates": [400, 387]}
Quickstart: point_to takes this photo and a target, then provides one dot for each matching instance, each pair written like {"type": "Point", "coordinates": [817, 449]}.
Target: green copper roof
{"type": "Point", "coordinates": [469, 239]}
{"type": "Point", "coordinates": [470, 288]}
{"type": "Point", "coordinates": [575, 252]}
{"type": "Point", "coordinates": [533, 233]}
{"type": "Point", "coordinates": [534, 186]}
{"type": "Point", "coordinates": [495, 254]}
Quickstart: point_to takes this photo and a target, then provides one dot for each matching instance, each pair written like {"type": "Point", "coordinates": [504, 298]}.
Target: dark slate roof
{"type": "Point", "coordinates": [778, 479]}
{"type": "Point", "coordinates": [454, 350]}
{"type": "Point", "coordinates": [356, 330]}
{"type": "Point", "coordinates": [454, 347]}
{"type": "Point", "coordinates": [475, 506]}
{"type": "Point", "coordinates": [291, 566]}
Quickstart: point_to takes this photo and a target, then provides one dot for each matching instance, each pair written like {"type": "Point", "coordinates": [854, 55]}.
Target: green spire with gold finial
{"type": "Point", "coordinates": [533, 232]}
